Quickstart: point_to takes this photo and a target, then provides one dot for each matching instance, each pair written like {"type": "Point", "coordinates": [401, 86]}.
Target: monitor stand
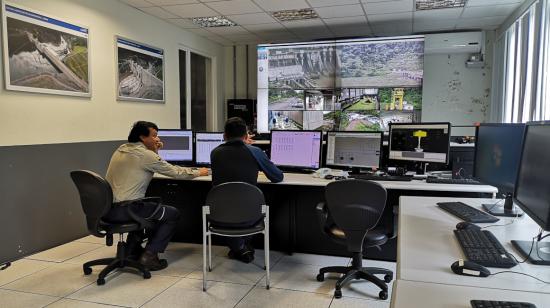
{"type": "Point", "coordinates": [539, 255]}
{"type": "Point", "coordinates": [508, 210]}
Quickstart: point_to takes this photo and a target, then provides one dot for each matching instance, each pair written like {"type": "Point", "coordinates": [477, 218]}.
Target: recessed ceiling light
{"type": "Point", "coordinates": [290, 15]}
{"type": "Point", "coordinates": [438, 4]}
{"type": "Point", "coordinates": [213, 21]}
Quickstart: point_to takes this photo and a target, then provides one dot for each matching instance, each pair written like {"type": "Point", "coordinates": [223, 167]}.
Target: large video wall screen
{"type": "Point", "coordinates": [340, 85]}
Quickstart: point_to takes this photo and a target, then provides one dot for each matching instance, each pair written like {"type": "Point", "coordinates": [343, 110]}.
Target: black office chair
{"type": "Point", "coordinates": [354, 210]}
{"type": "Point", "coordinates": [96, 197]}
{"type": "Point", "coordinates": [229, 204]}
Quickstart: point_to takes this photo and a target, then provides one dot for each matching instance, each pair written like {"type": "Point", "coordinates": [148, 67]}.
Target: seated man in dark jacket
{"type": "Point", "coordinates": [237, 161]}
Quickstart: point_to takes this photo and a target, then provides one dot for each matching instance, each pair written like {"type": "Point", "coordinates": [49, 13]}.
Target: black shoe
{"type": "Point", "coordinates": [244, 255]}
{"type": "Point", "coordinates": [152, 262]}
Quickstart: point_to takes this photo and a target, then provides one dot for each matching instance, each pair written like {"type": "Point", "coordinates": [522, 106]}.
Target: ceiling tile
{"type": "Point", "coordinates": [440, 14]}
{"type": "Point", "coordinates": [264, 27]}
{"type": "Point", "coordinates": [321, 3]}
{"type": "Point", "coordinates": [351, 31]}
{"type": "Point", "coordinates": [278, 5]}
{"type": "Point", "coordinates": [389, 7]}
{"type": "Point", "coordinates": [488, 11]}
{"type": "Point", "coordinates": [303, 23]}
{"type": "Point", "coordinates": [340, 11]}
{"type": "Point", "coordinates": [228, 30]}
{"type": "Point", "coordinates": [357, 20]}
{"type": "Point", "coordinates": [137, 3]}
{"type": "Point", "coordinates": [491, 2]}
{"type": "Point", "coordinates": [191, 10]}
{"type": "Point", "coordinates": [234, 7]}
{"type": "Point", "coordinates": [158, 12]}
{"type": "Point", "coordinates": [397, 17]}
{"type": "Point", "coordinates": [391, 27]}
{"type": "Point", "coordinates": [479, 23]}
{"type": "Point", "coordinates": [199, 31]}
{"type": "Point", "coordinates": [220, 40]}
{"type": "Point", "coordinates": [434, 26]}
{"type": "Point", "coordinates": [171, 2]}
{"type": "Point", "coordinates": [252, 19]}
{"type": "Point", "coordinates": [183, 23]}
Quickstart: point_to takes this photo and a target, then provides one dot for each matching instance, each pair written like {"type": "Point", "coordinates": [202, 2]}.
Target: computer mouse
{"type": "Point", "coordinates": [466, 225]}
{"type": "Point", "coordinates": [329, 177]}
{"type": "Point", "coordinates": [469, 268]}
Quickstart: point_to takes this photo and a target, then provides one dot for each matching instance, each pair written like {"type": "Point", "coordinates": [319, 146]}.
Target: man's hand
{"type": "Point", "coordinates": [203, 171]}
{"type": "Point", "coordinates": [158, 146]}
{"type": "Point", "coordinates": [249, 139]}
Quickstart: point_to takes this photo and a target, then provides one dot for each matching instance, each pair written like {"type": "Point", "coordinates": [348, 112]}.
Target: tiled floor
{"type": "Point", "coordinates": [54, 278]}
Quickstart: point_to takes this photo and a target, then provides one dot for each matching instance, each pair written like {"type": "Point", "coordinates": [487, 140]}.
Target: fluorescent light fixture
{"type": "Point", "coordinates": [438, 4]}
{"type": "Point", "coordinates": [291, 15]}
{"type": "Point", "coordinates": [213, 21]}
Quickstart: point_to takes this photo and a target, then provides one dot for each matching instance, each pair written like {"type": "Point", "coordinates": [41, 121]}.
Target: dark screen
{"type": "Point", "coordinates": [533, 183]}
{"type": "Point", "coordinates": [498, 151]}
{"type": "Point", "coordinates": [436, 141]}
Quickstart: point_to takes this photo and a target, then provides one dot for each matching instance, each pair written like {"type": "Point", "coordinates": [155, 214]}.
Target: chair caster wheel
{"type": "Point", "coordinates": [338, 293]}
{"type": "Point", "coordinates": [267, 287]}
{"type": "Point", "coordinates": [146, 275]}
{"type": "Point", "coordinates": [321, 277]}
{"type": "Point", "coordinates": [209, 269]}
{"type": "Point", "coordinates": [383, 295]}
{"type": "Point", "coordinates": [100, 281]}
{"type": "Point", "coordinates": [87, 270]}
{"type": "Point", "coordinates": [388, 278]}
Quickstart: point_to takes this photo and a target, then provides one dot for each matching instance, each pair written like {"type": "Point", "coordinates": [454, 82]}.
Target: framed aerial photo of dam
{"type": "Point", "coordinates": [140, 71]}
{"type": "Point", "coordinates": [44, 54]}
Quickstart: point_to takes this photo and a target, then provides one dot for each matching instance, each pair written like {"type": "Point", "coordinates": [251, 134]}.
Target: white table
{"type": "Point", "coordinates": [427, 247]}
{"type": "Point", "coordinates": [409, 294]}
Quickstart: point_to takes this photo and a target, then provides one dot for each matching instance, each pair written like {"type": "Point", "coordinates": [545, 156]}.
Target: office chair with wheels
{"type": "Point", "coordinates": [96, 198]}
{"type": "Point", "coordinates": [234, 203]}
{"type": "Point", "coordinates": [351, 216]}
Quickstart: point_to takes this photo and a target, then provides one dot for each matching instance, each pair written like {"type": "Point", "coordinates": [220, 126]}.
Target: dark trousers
{"type": "Point", "coordinates": [237, 243]}
{"type": "Point", "coordinates": [158, 237]}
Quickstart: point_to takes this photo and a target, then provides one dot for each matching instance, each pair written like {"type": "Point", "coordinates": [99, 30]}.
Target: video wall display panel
{"type": "Point", "coordinates": [354, 84]}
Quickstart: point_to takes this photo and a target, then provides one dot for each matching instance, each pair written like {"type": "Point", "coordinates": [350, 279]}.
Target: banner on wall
{"type": "Point", "coordinates": [140, 71]}
{"type": "Point", "coordinates": [43, 54]}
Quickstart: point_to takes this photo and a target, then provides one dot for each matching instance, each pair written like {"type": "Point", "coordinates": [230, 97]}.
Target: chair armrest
{"type": "Point", "coordinates": [322, 214]}
{"type": "Point", "coordinates": [144, 223]}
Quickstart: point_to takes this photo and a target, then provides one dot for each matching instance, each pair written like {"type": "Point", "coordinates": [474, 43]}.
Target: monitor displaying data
{"type": "Point", "coordinates": [354, 149]}
{"type": "Point", "coordinates": [425, 142]}
{"type": "Point", "coordinates": [204, 144]}
{"type": "Point", "coordinates": [296, 149]}
{"type": "Point", "coordinates": [497, 155]}
{"type": "Point", "coordinates": [177, 145]}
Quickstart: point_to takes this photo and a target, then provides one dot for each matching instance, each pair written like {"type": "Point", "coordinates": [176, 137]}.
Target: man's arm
{"type": "Point", "coordinates": [156, 164]}
{"type": "Point", "coordinates": [273, 173]}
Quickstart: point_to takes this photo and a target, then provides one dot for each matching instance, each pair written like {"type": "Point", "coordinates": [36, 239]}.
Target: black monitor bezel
{"type": "Point", "coordinates": [182, 162]}
{"type": "Point", "coordinates": [544, 225]}
{"type": "Point", "coordinates": [381, 133]}
{"type": "Point", "coordinates": [301, 130]}
{"type": "Point", "coordinates": [195, 147]}
{"type": "Point", "coordinates": [476, 150]}
{"type": "Point", "coordinates": [421, 123]}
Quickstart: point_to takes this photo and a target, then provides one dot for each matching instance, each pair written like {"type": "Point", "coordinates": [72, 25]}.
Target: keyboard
{"type": "Point", "coordinates": [372, 177]}
{"type": "Point", "coordinates": [466, 212]}
{"type": "Point", "coordinates": [499, 304]}
{"type": "Point", "coordinates": [482, 247]}
{"type": "Point", "coordinates": [452, 181]}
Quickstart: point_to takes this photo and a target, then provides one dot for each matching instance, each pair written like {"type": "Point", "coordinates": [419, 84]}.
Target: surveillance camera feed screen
{"type": "Point", "coordinates": [351, 85]}
{"type": "Point", "coordinates": [420, 142]}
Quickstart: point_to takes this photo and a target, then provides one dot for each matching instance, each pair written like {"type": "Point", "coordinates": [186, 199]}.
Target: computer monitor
{"type": "Point", "coordinates": [204, 144]}
{"type": "Point", "coordinates": [497, 154]}
{"type": "Point", "coordinates": [297, 149]}
{"type": "Point", "coordinates": [422, 142]}
{"type": "Point", "coordinates": [177, 145]}
{"type": "Point", "coordinates": [532, 191]}
{"type": "Point", "coordinates": [354, 149]}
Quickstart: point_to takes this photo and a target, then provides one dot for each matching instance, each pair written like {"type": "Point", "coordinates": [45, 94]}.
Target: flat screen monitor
{"type": "Point", "coordinates": [296, 149]}
{"type": "Point", "coordinates": [177, 145]}
{"type": "Point", "coordinates": [422, 142]}
{"type": "Point", "coordinates": [204, 144]}
{"type": "Point", "coordinates": [354, 149]}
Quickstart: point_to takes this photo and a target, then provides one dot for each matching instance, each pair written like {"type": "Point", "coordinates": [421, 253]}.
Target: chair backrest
{"type": "Point", "coordinates": [235, 203]}
{"type": "Point", "coordinates": [355, 205]}
{"type": "Point", "coordinates": [96, 197]}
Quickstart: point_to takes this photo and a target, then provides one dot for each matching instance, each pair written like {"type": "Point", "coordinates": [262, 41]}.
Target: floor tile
{"type": "Point", "coordinates": [227, 270]}
{"type": "Point", "coordinates": [100, 253]}
{"type": "Point", "coordinates": [180, 264]}
{"type": "Point", "coordinates": [350, 302]}
{"type": "Point", "coordinates": [126, 289]}
{"type": "Point", "coordinates": [188, 293]}
{"type": "Point", "coordinates": [71, 303]}
{"type": "Point", "coordinates": [92, 239]}
{"type": "Point", "coordinates": [300, 277]}
{"type": "Point", "coordinates": [64, 252]}
{"type": "Point", "coordinates": [312, 259]}
{"type": "Point", "coordinates": [56, 280]}
{"type": "Point", "coordinates": [260, 297]}
{"type": "Point", "coordinates": [191, 248]}
{"type": "Point", "coordinates": [21, 268]}
{"type": "Point", "coordinates": [9, 299]}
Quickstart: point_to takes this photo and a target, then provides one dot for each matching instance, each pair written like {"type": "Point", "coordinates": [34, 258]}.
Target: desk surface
{"type": "Point", "coordinates": [298, 179]}
{"type": "Point", "coordinates": [409, 294]}
{"type": "Point", "coordinates": [427, 247]}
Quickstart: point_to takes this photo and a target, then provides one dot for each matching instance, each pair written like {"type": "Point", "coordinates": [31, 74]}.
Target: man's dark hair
{"type": "Point", "coordinates": [141, 128]}
{"type": "Point", "coordinates": [235, 128]}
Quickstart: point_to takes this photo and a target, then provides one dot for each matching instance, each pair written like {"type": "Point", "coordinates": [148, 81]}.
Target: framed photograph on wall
{"type": "Point", "coordinates": [44, 54]}
{"type": "Point", "coordinates": [140, 71]}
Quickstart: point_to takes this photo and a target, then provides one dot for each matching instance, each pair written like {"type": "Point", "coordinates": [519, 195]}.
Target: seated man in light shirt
{"type": "Point", "coordinates": [130, 171]}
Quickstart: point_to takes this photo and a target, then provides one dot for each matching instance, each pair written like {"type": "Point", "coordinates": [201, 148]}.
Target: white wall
{"type": "Point", "coordinates": [27, 118]}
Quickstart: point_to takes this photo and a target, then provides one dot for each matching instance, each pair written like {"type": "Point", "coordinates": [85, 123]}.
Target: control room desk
{"type": "Point", "coordinates": [427, 247]}
{"type": "Point", "coordinates": [294, 226]}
